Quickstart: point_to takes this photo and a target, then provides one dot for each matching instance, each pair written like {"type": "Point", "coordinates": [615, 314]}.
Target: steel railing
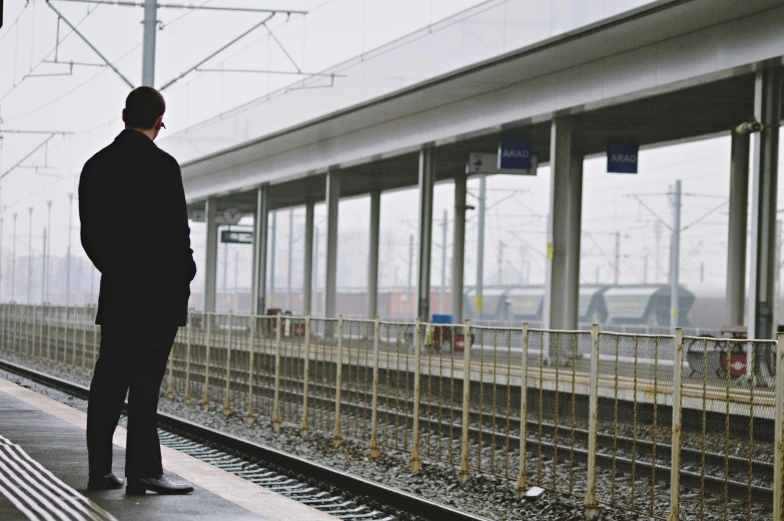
{"type": "Point", "coordinates": [634, 421]}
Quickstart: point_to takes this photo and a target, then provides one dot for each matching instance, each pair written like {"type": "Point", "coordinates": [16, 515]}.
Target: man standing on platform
{"type": "Point", "coordinates": [135, 231]}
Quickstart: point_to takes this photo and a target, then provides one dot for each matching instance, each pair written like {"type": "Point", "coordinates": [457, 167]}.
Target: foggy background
{"type": "Point", "coordinates": [87, 101]}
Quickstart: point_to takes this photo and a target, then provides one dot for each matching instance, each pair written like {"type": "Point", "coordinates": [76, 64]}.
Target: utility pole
{"type": "Point", "coordinates": [148, 48]}
{"type": "Point", "coordinates": [68, 253]}
{"type": "Point", "coordinates": [29, 255]}
{"type": "Point", "coordinates": [273, 249]}
{"type": "Point", "coordinates": [43, 270]}
{"type": "Point", "coordinates": [13, 261]}
{"type": "Point", "coordinates": [501, 246]}
{"type": "Point", "coordinates": [236, 299]}
{"type": "Point", "coordinates": [48, 275]}
{"type": "Point", "coordinates": [675, 259]}
{"type": "Point", "coordinates": [617, 267]}
{"type": "Point", "coordinates": [442, 297]}
{"type": "Point", "coordinates": [598, 269]}
{"type": "Point", "coordinates": [226, 272]}
{"type": "Point", "coordinates": [645, 270]}
{"type": "Point", "coordinates": [480, 247]}
{"type": "Point", "coordinates": [316, 264]}
{"type": "Point", "coordinates": [657, 230]}
{"type": "Point", "coordinates": [411, 305]}
{"type": "Point", "coordinates": [291, 258]}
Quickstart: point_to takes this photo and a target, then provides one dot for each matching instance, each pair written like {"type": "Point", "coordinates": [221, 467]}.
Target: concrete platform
{"type": "Point", "coordinates": [42, 445]}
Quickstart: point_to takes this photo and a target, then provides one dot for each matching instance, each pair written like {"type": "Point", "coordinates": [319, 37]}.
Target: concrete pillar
{"type": "Point", "coordinates": [427, 177]}
{"type": "Point", "coordinates": [767, 110]}
{"type": "Point", "coordinates": [260, 238]}
{"type": "Point", "coordinates": [562, 286]}
{"type": "Point", "coordinates": [735, 302]}
{"type": "Point", "coordinates": [458, 248]}
{"type": "Point", "coordinates": [333, 200]}
{"type": "Point", "coordinates": [575, 220]}
{"type": "Point", "coordinates": [211, 258]}
{"type": "Point", "coordinates": [375, 224]}
{"type": "Point", "coordinates": [307, 272]}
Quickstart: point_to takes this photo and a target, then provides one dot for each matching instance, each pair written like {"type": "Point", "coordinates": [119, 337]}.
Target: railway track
{"type": "Point", "coordinates": [340, 494]}
{"type": "Point", "coordinates": [620, 453]}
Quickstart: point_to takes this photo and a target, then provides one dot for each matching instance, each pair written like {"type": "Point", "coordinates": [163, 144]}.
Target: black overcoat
{"type": "Point", "coordinates": [135, 230]}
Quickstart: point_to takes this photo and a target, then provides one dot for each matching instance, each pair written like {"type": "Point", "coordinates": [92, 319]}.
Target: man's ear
{"type": "Point", "coordinates": [123, 115]}
{"type": "Point", "coordinates": [159, 123]}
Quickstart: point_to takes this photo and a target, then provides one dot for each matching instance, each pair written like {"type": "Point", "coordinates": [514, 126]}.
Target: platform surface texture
{"type": "Point", "coordinates": [43, 474]}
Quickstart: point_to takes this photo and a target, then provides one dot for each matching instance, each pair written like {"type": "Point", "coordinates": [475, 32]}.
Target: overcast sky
{"type": "Point", "coordinates": [88, 102]}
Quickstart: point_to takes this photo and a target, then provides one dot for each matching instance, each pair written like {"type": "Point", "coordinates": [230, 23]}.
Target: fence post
{"type": "Point", "coordinates": [337, 439]}
{"type": "Point", "coordinates": [250, 418]}
{"type": "Point", "coordinates": [591, 508]}
{"type": "Point", "coordinates": [170, 390]}
{"type": "Point", "coordinates": [375, 450]}
{"type": "Point", "coordinates": [465, 473]}
{"type": "Point", "coordinates": [227, 400]}
{"type": "Point", "coordinates": [75, 348]}
{"type": "Point", "coordinates": [276, 406]}
{"type": "Point", "coordinates": [521, 480]}
{"type": "Point", "coordinates": [677, 413]}
{"type": "Point", "coordinates": [95, 345]}
{"type": "Point", "coordinates": [45, 319]}
{"type": "Point", "coordinates": [57, 335]}
{"type": "Point", "coordinates": [206, 401]}
{"type": "Point", "coordinates": [188, 334]}
{"type": "Point", "coordinates": [3, 310]}
{"type": "Point", "coordinates": [84, 339]}
{"type": "Point", "coordinates": [33, 322]}
{"type": "Point", "coordinates": [416, 461]}
{"type": "Point", "coordinates": [778, 458]}
{"type": "Point", "coordinates": [41, 333]}
{"type": "Point", "coordinates": [303, 430]}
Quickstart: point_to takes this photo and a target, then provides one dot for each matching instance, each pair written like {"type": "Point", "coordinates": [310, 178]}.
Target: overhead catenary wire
{"type": "Point", "coordinates": [89, 12]}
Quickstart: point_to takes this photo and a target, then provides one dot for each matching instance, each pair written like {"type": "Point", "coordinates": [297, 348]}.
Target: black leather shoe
{"type": "Point", "coordinates": [107, 482]}
{"type": "Point", "coordinates": [161, 485]}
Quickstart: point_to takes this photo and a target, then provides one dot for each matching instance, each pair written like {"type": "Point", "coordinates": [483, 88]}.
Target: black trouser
{"type": "Point", "coordinates": [132, 357]}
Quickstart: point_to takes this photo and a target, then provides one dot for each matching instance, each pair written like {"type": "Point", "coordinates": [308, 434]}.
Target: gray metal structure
{"type": "Point", "coordinates": [375, 231]}
{"type": "Point", "coordinates": [737, 229]}
{"type": "Point", "coordinates": [658, 74]}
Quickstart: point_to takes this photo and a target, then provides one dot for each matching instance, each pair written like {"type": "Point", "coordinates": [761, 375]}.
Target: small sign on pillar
{"type": "Point", "coordinates": [622, 158]}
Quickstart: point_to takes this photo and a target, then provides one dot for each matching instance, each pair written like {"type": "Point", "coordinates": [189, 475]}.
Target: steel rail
{"type": "Point", "coordinates": [715, 483]}
{"type": "Point", "coordinates": [380, 493]}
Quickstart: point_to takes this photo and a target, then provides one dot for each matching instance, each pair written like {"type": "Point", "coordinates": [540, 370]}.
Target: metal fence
{"type": "Point", "coordinates": [660, 425]}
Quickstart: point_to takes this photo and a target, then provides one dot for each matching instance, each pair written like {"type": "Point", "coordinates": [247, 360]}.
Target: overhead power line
{"type": "Point", "coordinates": [190, 7]}
{"type": "Point", "coordinates": [89, 44]}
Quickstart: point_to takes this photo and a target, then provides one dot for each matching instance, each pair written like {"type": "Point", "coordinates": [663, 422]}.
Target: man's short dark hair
{"type": "Point", "coordinates": [142, 107]}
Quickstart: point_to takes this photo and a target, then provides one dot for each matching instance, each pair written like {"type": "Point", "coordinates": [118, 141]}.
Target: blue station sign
{"type": "Point", "coordinates": [233, 237]}
{"type": "Point", "coordinates": [514, 154]}
{"type": "Point", "coordinates": [622, 158]}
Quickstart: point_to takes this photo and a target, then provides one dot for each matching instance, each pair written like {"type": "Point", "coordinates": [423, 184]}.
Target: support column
{"type": "Point", "coordinates": [736, 242]}
{"type": "Point", "coordinates": [767, 110]}
{"type": "Point", "coordinates": [427, 177]}
{"type": "Point", "coordinates": [211, 254]}
{"type": "Point", "coordinates": [562, 286]}
{"type": "Point", "coordinates": [375, 224]}
{"type": "Point", "coordinates": [307, 272]}
{"type": "Point", "coordinates": [575, 220]}
{"type": "Point", "coordinates": [260, 237]}
{"type": "Point", "coordinates": [458, 248]}
{"type": "Point", "coordinates": [148, 48]}
{"type": "Point", "coordinates": [333, 200]}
